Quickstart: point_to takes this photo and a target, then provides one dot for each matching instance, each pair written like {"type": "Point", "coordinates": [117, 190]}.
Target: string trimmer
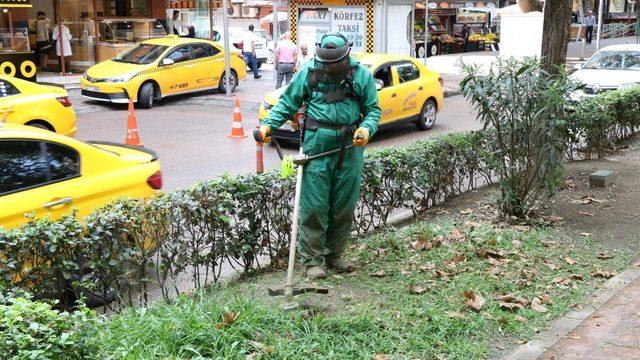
{"type": "Point", "coordinates": [289, 162]}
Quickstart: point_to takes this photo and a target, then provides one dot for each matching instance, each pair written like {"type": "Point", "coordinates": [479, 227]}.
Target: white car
{"type": "Point", "coordinates": [270, 43]}
{"type": "Point", "coordinates": [613, 67]}
{"type": "Point", "coordinates": [236, 34]}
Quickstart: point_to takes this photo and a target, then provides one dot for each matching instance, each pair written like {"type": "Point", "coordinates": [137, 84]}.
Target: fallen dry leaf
{"type": "Point", "coordinates": [228, 317]}
{"type": "Point", "coordinates": [536, 305]}
{"type": "Point", "coordinates": [456, 235]}
{"type": "Point", "coordinates": [603, 274]}
{"type": "Point", "coordinates": [555, 219]}
{"type": "Point", "coordinates": [562, 281]}
{"type": "Point", "coordinates": [219, 326]}
{"type": "Point", "coordinates": [466, 211]}
{"type": "Point", "coordinates": [455, 314]}
{"type": "Point", "coordinates": [500, 254]}
{"type": "Point", "coordinates": [405, 272]}
{"type": "Point", "coordinates": [510, 306]}
{"type": "Point", "coordinates": [546, 299]}
{"type": "Point", "coordinates": [570, 261]}
{"type": "Point", "coordinates": [603, 256]}
{"type": "Point", "coordinates": [261, 347]}
{"type": "Point", "coordinates": [574, 337]}
{"type": "Point", "coordinates": [417, 289]}
{"type": "Point", "coordinates": [379, 274]}
{"type": "Point", "coordinates": [584, 213]}
{"type": "Point", "coordinates": [575, 277]}
{"type": "Point", "coordinates": [510, 298]}
{"type": "Point", "coordinates": [381, 357]}
{"type": "Point", "coordinates": [516, 243]}
{"type": "Point", "coordinates": [522, 228]}
{"type": "Point", "coordinates": [428, 267]}
{"type": "Point", "coordinates": [474, 301]}
{"type": "Point", "coordinates": [380, 252]}
{"type": "Point", "coordinates": [423, 243]}
{"type": "Point", "coordinates": [521, 319]}
{"type": "Point", "coordinates": [585, 200]}
{"type": "Point", "coordinates": [585, 234]}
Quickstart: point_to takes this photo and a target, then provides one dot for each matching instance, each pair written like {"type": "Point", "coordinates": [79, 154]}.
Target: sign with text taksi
{"type": "Point", "coordinates": [350, 22]}
{"type": "Point", "coordinates": [464, 16]}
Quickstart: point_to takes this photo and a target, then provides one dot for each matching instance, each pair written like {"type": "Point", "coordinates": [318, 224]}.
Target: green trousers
{"type": "Point", "coordinates": [329, 197]}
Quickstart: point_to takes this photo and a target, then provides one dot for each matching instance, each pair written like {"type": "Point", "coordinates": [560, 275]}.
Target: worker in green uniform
{"type": "Point", "coordinates": [342, 107]}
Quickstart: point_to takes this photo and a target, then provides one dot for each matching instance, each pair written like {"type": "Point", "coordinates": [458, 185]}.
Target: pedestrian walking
{"type": "Point", "coordinates": [303, 57]}
{"type": "Point", "coordinates": [63, 46]}
{"type": "Point", "coordinates": [465, 37]}
{"type": "Point", "coordinates": [249, 51]}
{"type": "Point", "coordinates": [43, 40]}
{"type": "Point", "coordinates": [590, 22]}
{"type": "Point", "coordinates": [337, 89]}
{"type": "Point", "coordinates": [286, 58]}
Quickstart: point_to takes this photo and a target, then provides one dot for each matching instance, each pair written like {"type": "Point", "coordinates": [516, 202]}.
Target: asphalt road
{"type": "Point", "coordinates": [192, 140]}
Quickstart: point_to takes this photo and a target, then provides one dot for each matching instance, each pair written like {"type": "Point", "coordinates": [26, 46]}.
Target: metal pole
{"type": "Point", "coordinates": [96, 29]}
{"type": "Point", "coordinates": [227, 49]}
{"type": "Point", "coordinates": [59, 42]}
{"type": "Point", "coordinates": [601, 3]}
{"type": "Point", "coordinates": [259, 154]}
{"type": "Point", "coordinates": [211, 19]}
{"type": "Point", "coordinates": [580, 20]}
{"type": "Point", "coordinates": [426, 30]}
{"type": "Point", "coordinates": [276, 35]}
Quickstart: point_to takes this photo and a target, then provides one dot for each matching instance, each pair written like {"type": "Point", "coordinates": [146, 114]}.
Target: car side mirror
{"type": "Point", "coordinates": [379, 84]}
{"type": "Point", "coordinates": [577, 66]}
{"type": "Point", "coordinates": [167, 61]}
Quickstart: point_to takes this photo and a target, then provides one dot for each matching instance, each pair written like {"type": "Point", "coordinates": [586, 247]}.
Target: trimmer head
{"type": "Point", "coordinates": [297, 290]}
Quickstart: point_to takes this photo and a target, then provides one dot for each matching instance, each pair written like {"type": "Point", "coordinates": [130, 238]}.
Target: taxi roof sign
{"type": "Point", "coordinates": [15, 3]}
{"type": "Point", "coordinates": [172, 36]}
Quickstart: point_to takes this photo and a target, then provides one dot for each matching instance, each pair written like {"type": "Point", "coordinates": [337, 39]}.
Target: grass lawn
{"type": "Point", "coordinates": [425, 291]}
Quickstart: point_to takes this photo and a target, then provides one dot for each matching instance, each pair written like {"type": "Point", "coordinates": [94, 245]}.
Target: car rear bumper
{"type": "Point", "coordinates": [116, 98]}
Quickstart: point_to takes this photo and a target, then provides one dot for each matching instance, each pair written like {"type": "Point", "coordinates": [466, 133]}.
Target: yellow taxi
{"type": "Point", "coordinates": [408, 92]}
{"type": "Point", "coordinates": [44, 173]}
{"type": "Point", "coordinates": [157, 68]}
{"type": "Point", "coordinates": [27, 103]}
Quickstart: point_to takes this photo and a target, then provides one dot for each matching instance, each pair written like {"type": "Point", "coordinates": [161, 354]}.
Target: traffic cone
{"type": "Point", "coordinates": [236, 129]}
{"type": "Point", "coordinates": [133, 138]}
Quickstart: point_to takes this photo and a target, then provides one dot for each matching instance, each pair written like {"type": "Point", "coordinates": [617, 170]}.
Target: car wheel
{"type": "Point", "coordinates": [427, 118]}
{"type": "Point", "coordinates": [145, 99]}
{"type": "Point", "coordinates": [233, 82]}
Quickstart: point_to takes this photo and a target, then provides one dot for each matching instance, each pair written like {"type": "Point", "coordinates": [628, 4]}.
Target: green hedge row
{"type": "Point", "coordinates": [186, 238]}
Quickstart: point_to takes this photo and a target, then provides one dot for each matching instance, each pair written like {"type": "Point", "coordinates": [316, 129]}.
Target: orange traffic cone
{"type": "Point", "coordinates": [236, 129]}
{"type": "Point", "coordinates": [133, 138]}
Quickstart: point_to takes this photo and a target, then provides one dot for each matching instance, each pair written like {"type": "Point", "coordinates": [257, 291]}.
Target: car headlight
{"type": "Point", "coordinates": [123, 78]}
{"type": "Point", "coordinates": [629, 85]}
{"type": "Point", "coordinates": [266, 105]}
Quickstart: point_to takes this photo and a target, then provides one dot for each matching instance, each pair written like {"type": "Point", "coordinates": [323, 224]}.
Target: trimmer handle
{"type": "Point", "coordinates": [259, 139]}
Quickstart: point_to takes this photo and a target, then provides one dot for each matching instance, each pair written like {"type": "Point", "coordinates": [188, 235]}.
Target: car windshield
{"type": "Point", "coordinates": [141, 54]}
{"type": "Point", "coordinates": [615, 60]}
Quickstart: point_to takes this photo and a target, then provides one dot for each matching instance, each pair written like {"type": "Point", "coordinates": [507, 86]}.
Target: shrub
{"type": "Point", "coordinates": [34, 330]}
{"type": "Point", "coordinates": [601, 121]}
{"type": "Point", "coordinates": [523, 107]}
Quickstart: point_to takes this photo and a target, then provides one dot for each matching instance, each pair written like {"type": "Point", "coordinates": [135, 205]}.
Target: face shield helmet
{"type": "Point", "coordinates": [331, 61]}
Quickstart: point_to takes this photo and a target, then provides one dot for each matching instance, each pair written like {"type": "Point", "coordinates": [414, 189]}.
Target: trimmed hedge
{"type": "Point", "coordinates": [184, 239]}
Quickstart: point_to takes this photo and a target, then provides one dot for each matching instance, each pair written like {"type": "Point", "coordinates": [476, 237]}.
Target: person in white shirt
{"type": "Point", "coordinates": [249, 51]}
{"type": "Point", "coordinates": [176, 26]}
{"type": "Point", "coordinates": [590, 22]}
{"type": "Point", "coordinates": [63, 46]}
{"type": "Point", "coordinates": [303, 56]}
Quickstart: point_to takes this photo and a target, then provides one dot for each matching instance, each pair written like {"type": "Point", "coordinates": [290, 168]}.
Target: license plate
{"type": "Point", "coordinates": [93, 88]}
{"type": "Point", "coordinates": [258, 46]}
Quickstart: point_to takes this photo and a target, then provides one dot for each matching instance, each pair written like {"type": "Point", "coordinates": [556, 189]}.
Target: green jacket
{"type": "Point", "coordinates": [344, 112]}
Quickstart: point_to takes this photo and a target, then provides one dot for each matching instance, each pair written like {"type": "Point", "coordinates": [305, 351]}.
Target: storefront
{"type": "Point", "coordinates": [448, 20]}
{"type": "Point", "coordinates": [16, 56]}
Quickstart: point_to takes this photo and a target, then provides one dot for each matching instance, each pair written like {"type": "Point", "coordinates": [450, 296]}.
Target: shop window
{"type": "Point", "coordinates": [203, 51]}
{"type": "Point", "coordinates": [180, 54]}
{"type": "Point", "coordinates": [7, 89]}
{"type": "Point", "coordinates": [384, 74]}
{"type": "Point", "coordinates": [407, 72]}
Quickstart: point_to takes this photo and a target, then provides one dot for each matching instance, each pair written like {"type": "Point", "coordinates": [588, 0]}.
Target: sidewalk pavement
{"type": "Point", "coordinates": [607, 327]}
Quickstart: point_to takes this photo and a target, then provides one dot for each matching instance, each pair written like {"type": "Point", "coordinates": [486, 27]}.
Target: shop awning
{"type": "Point", "coordinates": [282, 16]}
{"type": "Point", "coordinates": [15, 3]}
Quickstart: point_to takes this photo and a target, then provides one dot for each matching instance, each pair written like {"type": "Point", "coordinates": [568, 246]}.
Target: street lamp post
{"type": "Point", "coordinates": [426, 30]}
{"type": "Point", "coordinates": [227, 49]}
{"type": "Point", "coordinates": [599, 24]}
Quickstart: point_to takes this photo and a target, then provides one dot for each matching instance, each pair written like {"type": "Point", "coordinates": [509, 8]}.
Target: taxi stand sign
{"type": "Point", "coordinates": [15, 3]}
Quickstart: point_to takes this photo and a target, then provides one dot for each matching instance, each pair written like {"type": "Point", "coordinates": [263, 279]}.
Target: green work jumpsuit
{"type": "Point", "coordinates": [329, 196]}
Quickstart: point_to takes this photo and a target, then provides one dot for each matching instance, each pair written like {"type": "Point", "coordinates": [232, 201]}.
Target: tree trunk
{"type": "Point", "coordinates": [555, 34]}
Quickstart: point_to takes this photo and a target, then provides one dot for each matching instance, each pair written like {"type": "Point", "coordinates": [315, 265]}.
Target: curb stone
{"type": "Point", "coordinates": [561, 327]}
